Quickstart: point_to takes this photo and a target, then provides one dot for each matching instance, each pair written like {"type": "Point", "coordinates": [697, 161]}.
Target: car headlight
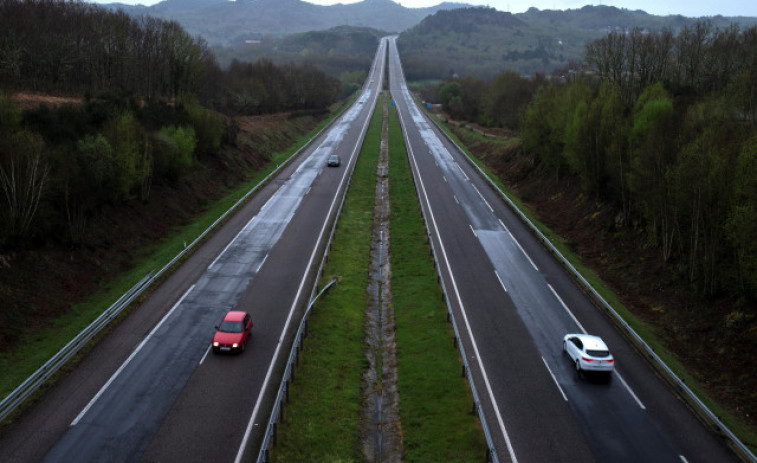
{"type": "Point", "coordinates": [234, 346]}
{"type": "Point", "coordinates": [215, 343]}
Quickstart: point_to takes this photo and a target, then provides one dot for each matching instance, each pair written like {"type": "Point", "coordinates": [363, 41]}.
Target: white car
{"type": "Point", "coordinates": [588, 353]}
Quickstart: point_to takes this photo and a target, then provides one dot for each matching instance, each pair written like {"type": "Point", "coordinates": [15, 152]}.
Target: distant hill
{"type": "Point", "coordinates": [337, 50]}
{"type": "Point", "coordinates": [483, 42]}
{"type": "Point", "coordinates": [223, 22]}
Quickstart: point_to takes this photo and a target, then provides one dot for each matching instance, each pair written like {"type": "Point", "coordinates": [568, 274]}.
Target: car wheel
{"type": "Point", "coordinates": [578, 367]}
{"type": "Point", "coordinates": [564, 346]}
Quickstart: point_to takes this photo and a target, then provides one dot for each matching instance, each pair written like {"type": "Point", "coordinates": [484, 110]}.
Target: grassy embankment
{"type": "Point", "coordinates": [321, 420]}
{"type": "Point", "coordinates": [32, 351]}
{"type": "Point", "coordinates": [746, 432]}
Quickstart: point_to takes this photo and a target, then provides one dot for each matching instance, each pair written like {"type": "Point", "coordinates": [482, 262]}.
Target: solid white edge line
{"type": "Point", "coordinates": [630, 391]}
{"type": "Point", "coordinates": [256, 409]}
{"type": "Point", "coordinates": [210, 346]}
{"type": "Point", "coordinates": [482, 198]}
{"type": "Point", "coordinates": [504, 227]}
{"type": "Point", "coordinates": [580, 326]}
{"type": "Point", "coordinates": [523, 251]}
{"type": "Point", "coordinates": [474, 231]}
{"type": "Point", "coordinates": [230, 243]}
{"type": "Point", "coordinates": [123, 365]}
{"type": "Point", "coordinates": [462, 171]}
{"type": "Point", "coordinates": [262, 262]}
{"type": "Point", "coordinates": [554, 379]}
{"type": "Point", "coordinates": [683, 459]}
{"type": "Point", "coordinates": [500, 281]}
{"type": "Point", "coordinates": [500, 421]}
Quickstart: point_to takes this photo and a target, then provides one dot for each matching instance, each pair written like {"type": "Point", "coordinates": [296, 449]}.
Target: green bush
{"type": "Point", "coordinates": [179, 145]}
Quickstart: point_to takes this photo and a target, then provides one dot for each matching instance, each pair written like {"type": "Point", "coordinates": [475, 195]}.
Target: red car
{"type": "Point", "coordinates": [233, 332]}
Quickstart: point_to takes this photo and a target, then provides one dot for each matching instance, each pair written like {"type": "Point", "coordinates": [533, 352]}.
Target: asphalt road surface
{"type": "Point", "coordinates": [151, 391]}
{"type": "Point", "coordinates": [514, 303]}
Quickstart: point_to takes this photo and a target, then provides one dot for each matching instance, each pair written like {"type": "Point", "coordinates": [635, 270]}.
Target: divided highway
{"type": "Point", "coordinates": [514, 303]}
{"type": "Point", "coordinates": [151, 391]}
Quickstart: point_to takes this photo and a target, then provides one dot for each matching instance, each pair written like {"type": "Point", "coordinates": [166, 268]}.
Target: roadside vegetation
{"type": "Point", "coordinates": [121, 140]}
{"type": "Point", "coordinates": [321, 419]}
{"type": "Point", "coordinates": [643, 165]}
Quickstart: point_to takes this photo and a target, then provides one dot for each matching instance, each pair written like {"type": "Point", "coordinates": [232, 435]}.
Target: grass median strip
{"type": "Point", "coordinates": [435, 401]}
{"type": "Point", "coordinates": [321, 419]}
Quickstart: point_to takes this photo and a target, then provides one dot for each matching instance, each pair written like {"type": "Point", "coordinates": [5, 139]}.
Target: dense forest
{"type": "Point", "coordinates": [152, 129]}
{"type": "Point", "coordinates": [152, 98]}
{"type": "Point", "coordinates": [662, 125]}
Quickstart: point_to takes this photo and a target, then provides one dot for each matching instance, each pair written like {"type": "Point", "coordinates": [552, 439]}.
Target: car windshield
{"type": "Point", "coordinates": [230, 327]}
{"type": "Point", "coordinates": [598, 353]}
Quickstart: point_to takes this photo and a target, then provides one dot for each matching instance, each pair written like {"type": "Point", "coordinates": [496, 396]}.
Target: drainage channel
{"type": "Point", "coordinates": [380, 423]}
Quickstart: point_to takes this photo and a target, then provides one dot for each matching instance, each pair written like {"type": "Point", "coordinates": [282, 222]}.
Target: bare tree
{"type": "Point", "coordinates": [22, 179]}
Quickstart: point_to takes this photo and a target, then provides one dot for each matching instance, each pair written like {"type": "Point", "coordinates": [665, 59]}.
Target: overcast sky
{"type": "Point", "coordinates": [691, 8]}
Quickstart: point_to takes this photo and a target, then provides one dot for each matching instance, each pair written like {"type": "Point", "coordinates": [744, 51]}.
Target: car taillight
{"type": "Point", "coordinates": [610, 361]}
{"type": "Point", "coordinates": [587, 360]}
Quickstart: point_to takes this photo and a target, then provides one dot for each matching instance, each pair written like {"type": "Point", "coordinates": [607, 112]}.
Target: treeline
{"type": "Point", "coordinates": [73, 47]}
{"type": "Point", "coordinates": [263, 87]}
{"type": "Point", "coordinates": [150, 112]}
{"type": "Point", "coordinates": [76, 47]}
{"type": "Point", "coordinates": [61, 167]}
{"type": "Point", "coordinates": [500, 102]}
{"type": "Point", "coordinates": [665, 129]}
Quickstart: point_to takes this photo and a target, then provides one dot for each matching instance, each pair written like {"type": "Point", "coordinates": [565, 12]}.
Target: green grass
{"type": "Point", "coordinates": [34, 350]}
{"type": "Point", "coordinates": [746, 432]}
{"type": "Point", "coordinates": [321, 420]}
{"type": "Point", "coordinates": [435, 401]}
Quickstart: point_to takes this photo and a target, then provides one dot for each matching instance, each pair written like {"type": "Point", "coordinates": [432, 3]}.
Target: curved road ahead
{"type": "Point", "coordinates": [514, 303]}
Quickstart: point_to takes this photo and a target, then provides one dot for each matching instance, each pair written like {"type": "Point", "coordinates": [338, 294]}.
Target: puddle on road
{"type": "Point", "coordinates": [380, 427]}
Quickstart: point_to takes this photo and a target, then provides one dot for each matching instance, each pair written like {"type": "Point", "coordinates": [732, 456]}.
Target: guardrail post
{"type": "Point", "coordinates": [488, 455]}
{"type": "Point", "coordinates": [463, 372]}
{"type": "Point", "coordinates": [274, 434]}
{"type": "Point", "coordinates": [286, 387]}
{"type": "Point", "coordinates": [454, 342]}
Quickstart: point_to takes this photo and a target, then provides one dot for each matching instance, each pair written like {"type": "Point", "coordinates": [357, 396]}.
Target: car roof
{"type": "Point", "coordinates": [591, 342]}
{"type": "Point", "coordinates": [234, 316]}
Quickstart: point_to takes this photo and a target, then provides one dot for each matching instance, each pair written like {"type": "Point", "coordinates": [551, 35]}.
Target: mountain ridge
{"type": "Point", "coordinates": [223, 22]}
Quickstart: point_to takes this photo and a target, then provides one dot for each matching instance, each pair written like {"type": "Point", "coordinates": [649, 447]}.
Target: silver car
{"type": "Point", "coordinates": [334, 160]}
{"type": "Point", "coordinates": [588, 353]}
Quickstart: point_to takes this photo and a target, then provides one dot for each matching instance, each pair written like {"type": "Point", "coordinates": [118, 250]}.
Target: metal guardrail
{"type": "Point", "coordinates": [491, 454]}
{"type": "Point", "coordinates": [283, 393]}
{"type": "Point", "coordinates": [52, 366]}
{"type": "Point", "coordinates": [277, 413]}
{"type": "Point", "coordinates": [13, 400]}
{"type": "Point", "coordinates": [672, 378]}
